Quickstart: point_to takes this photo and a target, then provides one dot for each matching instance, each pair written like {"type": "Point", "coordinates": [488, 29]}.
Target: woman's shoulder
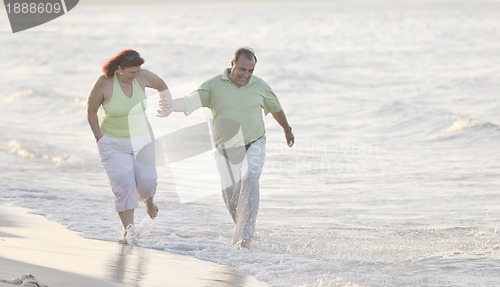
{"type": "Point", "coordinates": [103, 80]}
{"type": "Point", "coordinates": [103, 84]}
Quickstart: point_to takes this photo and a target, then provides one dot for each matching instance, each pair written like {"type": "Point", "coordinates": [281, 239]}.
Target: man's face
{"type": "Point", "coordinates": [241, 71]}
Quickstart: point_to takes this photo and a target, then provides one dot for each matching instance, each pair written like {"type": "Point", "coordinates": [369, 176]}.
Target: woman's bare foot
{"type": "Point", "coordinates": [151, 207]}
{"type": "Point", "coordinates": [128, 235]}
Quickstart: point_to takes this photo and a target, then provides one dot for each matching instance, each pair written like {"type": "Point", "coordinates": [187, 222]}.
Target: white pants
{"type": "Point", "coordinates": [240, 186]}
{"type": "Point", "coordinates": [131, 169]}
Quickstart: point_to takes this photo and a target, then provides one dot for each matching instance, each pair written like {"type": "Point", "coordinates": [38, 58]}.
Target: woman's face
{"type": "Point", "coordinates": [128, 74]}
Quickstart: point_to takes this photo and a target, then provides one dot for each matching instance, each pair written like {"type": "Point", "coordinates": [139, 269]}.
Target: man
{"type": "Point", "coordinates": [236, 99]}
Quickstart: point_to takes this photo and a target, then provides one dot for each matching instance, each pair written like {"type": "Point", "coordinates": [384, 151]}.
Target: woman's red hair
{"type": "Point", "coordinates": [126, 58]}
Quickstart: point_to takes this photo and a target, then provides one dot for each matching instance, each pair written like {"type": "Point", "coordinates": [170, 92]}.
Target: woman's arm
{"type": "Point", "coordinates": [94, 101]}
{"type": "Point", "coordinates": [155, 82]}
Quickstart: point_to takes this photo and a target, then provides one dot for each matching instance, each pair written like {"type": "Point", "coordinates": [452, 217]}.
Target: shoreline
{"type": "Point", "coordinates": [56, 256]}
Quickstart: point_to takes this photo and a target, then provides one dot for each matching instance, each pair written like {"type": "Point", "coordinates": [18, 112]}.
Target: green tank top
{"type": "Point", "coordinates": [124, 117]}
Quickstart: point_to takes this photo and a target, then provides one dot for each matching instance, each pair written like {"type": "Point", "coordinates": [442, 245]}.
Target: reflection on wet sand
{"type": "Point", "coordinates": [136, 266]}
{"type": "Point", "coordinates": [51, 251]}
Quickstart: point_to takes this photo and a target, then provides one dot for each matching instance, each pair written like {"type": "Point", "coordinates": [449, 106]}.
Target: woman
{"type": "Point", "coordinates": [124, 137]}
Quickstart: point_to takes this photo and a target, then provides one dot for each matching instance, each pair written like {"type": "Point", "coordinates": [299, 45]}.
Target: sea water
{"type": "Point", "coordinates": [394, 176]}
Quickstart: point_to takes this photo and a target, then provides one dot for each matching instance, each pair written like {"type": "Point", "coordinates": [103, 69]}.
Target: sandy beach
{"type": "Point", "coordinates": [55, 256]}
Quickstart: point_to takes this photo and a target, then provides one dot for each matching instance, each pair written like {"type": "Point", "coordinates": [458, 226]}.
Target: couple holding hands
{"type": "Point", "coordinates": [236, 99]}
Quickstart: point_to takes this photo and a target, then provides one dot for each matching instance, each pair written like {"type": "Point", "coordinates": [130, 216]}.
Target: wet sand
{"type": "Point", "coordinates": [31, 244]}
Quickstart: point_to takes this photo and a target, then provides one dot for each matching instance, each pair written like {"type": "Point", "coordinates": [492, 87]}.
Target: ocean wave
{"type": "Point", "coordinates": [57, 99]}
{"type": "Point", "coordinates": [16, 148]}
{"type": "Point", "coordinates": [43, 111]}
{"type": "Point", "coordinates": [466, 129]}
{"type": "Point", "coordinates": [401, 119]}
{"type": "Point", "coordinates": [412, 121]}
{"type": "Point", "coordinates": [462, 125]}
{"type": "Point", "coordinates": [79, 102]}
{"type": "Point", "coordinates": [20, 95]}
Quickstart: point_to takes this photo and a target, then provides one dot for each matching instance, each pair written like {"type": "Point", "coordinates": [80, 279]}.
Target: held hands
{"type": "Point", "coordinates": [166, 108]}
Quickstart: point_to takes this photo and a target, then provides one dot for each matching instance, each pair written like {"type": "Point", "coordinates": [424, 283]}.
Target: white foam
{"type": "Point", "coordinates": [461, 125]}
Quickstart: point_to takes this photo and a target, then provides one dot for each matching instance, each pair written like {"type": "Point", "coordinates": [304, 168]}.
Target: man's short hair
{"type": "Point", "coordinates": [245, 51]}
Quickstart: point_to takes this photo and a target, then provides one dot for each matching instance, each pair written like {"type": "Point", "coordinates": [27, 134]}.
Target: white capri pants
{"type": "Point", "coordinates": [131, 168]}
{"type": "Point", "coordinates": [240, 186]}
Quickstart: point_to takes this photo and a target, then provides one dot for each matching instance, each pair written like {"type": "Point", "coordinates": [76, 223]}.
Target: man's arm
{"type": "Point", "coordinates": [169, 106]}
{"type": "Point", "coordinates": [187, 104]}
{"type": "Point", "coordinates": [280, 117]}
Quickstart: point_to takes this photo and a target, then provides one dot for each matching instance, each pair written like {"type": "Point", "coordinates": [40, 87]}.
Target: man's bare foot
{"type": "Point", "coordinates": [152, 209]}
{"type": "Point", "coordinates": [244, 243]}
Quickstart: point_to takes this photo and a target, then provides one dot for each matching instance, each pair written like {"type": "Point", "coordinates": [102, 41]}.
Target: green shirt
{"type": "Point", "coordinates": [237, 112]}
{"type": "Point", "coordinates": [123, 116]}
